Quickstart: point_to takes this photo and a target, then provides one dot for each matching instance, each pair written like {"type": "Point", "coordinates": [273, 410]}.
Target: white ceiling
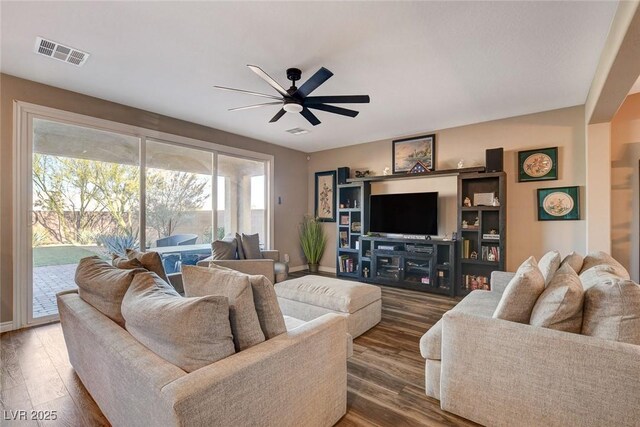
{"type": "Point", "coordinates": [426, 65]}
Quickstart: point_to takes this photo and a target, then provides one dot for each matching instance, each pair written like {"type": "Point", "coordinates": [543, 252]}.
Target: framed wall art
{"type": "Point", "coordinates": [408, 151]}
{"type": "Point", "coordinates": [325, 206]}
{"type": "Point", "coordinates": [538, 165]}
{"type": "Point", "coordinates": [558, 204]}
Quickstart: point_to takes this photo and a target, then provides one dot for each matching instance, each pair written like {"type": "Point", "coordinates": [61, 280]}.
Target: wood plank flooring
{"type": "Point", "coordinates": [385, 375]}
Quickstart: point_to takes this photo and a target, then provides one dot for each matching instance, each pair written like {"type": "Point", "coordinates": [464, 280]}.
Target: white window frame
{"type": "Point", "coordinates": [23, 114]}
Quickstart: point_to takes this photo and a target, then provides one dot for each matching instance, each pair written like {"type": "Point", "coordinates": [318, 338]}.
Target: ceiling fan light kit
{"type": "Point", "coordinates": [297, 100]}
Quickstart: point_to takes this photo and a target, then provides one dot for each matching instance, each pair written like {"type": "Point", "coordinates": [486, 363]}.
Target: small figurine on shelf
{"type": "Point", "coordinates": [461, 164]}
{"type": "Point", "coordinates": [493, 231]}
{"type": "Point", "coordinates": [467, 202]}
{"type": "Point", "coordinates": [348, 204]}
{"type": "Point", "coordinates": [491, 256]}
{"type": "Point", "coordinates": [365, 272]}
{"type": "Point", "coordinates": [496, 202]}
{"type": "Point", "coordinates": [465, 224]}
{"type": "Point", "coordinates": [386, 171]}
{"type": "Point", "coordinates": [355, 203]}
{"type": "Point", "coordinates": [474, 255]}
{"type": "Point", "coordinates": [477, 223]}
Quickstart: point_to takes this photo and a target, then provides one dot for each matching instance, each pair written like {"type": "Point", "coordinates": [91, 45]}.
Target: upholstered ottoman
{"type": "Point", "coordinates": [309, 297]}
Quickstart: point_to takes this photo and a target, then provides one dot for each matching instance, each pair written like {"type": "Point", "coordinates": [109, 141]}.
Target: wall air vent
{"type": "Point", "coordinates": [297, 131]}
{"type": "Point", "coordinates": [60, 52]}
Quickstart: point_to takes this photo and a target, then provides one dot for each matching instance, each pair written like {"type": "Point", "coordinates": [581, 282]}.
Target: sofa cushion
{"type": "Point", "coordinates": [266, 302]}
{"type": "Point", "coordinates": [251, 246]}
{"type": "Point", "coordinates": [241, 254]}
{"type": "Point", "coordinates": [575, 260]}
{"type": "Point", "coordinates": [521, 293]}
{"type": "Point", "coordinates": [334, 294]}
{"type": "Point", "coordinates": [612, 311]}
{"type": "Point", "coordinates": [560, 305]}
{"type": "Point", "coordinates": [479, 303]}
{"type": "Point", "coordinates": [548, 265]}
{"type": "Point", "coordinates": [598, 274]}
{"type": "Point", "coordinates": [224, 249]}
{"type": "Point", "coordinates": [603, 258]}
{"type": "Point", "coordinates": [152, 261]}
{"type": "Point", "coordinates": [125, 263]}
{"type": "Point", "coordinates": [104, 286]}
{"type": "Point", "coordinates": [245, 325]}
{"type": "Point", "coordinates": [187, 332]}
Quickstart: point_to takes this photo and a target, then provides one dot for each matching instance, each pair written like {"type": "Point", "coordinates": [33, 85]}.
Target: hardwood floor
{"type": "Point", "coordinates": [385, 375]}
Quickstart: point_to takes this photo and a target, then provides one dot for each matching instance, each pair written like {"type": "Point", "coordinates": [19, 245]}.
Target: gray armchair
{"type": "Point", "coordinates": [269, 266]}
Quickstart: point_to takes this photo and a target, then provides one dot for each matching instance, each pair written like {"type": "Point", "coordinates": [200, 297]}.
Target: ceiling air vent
{"type": "Point", "coordinates": [60, 52]}
{"type": "Point", "coordinates": [297, 131]}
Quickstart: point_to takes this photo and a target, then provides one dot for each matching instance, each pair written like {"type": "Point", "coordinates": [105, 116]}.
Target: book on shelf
{"type": "Point", "coordinates": [466, 248]}
{"type": "Point", "coordinates": [471, 282]}
{"type": "Point", "coordinates": [488, 236]}
{"type": "Point", "coordinates": [347, 264]}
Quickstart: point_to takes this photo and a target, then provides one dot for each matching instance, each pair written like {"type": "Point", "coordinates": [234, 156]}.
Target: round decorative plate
{"type": "Point", "coordinates": [537, 165]}
{"type": "Point", "coordinates": [557, 204]}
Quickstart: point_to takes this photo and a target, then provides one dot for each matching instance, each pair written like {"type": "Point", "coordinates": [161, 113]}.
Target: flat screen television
{"type": "Point", "coordinates": [408, 213]}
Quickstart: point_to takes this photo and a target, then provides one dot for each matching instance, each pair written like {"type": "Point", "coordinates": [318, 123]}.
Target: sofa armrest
{"type": "Point", "coordinates": [500, 280]}
{"type": "Point", "coordinates": [262, 267]}
{"type": "Point", "coordinates": [497, 372]}
{"type": "Point", "coordinates": [271, 254]}
{"type": "Point", "coordinates": [298, 376]}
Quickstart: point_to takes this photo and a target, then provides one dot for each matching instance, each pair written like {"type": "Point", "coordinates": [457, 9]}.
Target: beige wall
{"type": "Point", "coordinates": [564, 128]}
{"type": "Point", "coordinates": [598, 181]}
{"type": "Point", "coordinates": [625, 190]}
{"type": "Point", "coordinates": [290, 165]}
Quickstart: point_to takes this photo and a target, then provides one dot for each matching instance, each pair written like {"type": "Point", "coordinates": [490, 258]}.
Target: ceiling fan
{"type": "Point", "coordinates": [297, 100]}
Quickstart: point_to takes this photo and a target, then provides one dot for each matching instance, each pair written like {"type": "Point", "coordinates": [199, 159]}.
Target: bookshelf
{"type": "Point", "coordinates": [481, 229]}
{"type": "Point", "coordinates": [352, 223]}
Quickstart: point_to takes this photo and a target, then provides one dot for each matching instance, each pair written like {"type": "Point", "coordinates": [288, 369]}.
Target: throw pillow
{"type": "Point", "coordinates": [152, 261]}
{"type": "Point", "coordinates": [548, 265]}
{"type": "Point", "coordinates": [103, 286]}
{"type": "Point", "coordinates": [245, 325]}
{"type": "Point", "coordinates": [575, 260]}
{"type": "Point", "coordinates": [612, 311]}
{"type": "Point", "coordinates": [189, 332]}
{"type": "Point", "coordinates": [125, 263]}
{"type": "Point", "coordinates": [603, 258]}
{"type": "Point", "coordinates": [251, 246]}
{"type": "Point", "coordinates": [560, 304]}
{"type": "Point", "coordinates": [266, 302]}
{"type": "Point", "coordinates": [241, 254]}
{"type": "Point", "coordinates": [598, 274]}
{"type": "Point", "coordinates": [224, 249]}
{"type": "Point", "coordinates": [521, 293]}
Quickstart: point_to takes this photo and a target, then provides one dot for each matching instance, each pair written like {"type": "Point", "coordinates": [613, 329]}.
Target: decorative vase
{"type": "Point", "coordinates": [313, 268]}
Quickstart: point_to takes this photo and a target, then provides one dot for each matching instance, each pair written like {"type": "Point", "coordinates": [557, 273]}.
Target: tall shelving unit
{"type": "Point", "coordinates": [485, 231]}
{"type": "Point", "coordinates": [352, 222]}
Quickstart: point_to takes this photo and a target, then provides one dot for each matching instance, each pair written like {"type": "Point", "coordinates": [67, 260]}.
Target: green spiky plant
{"type": "Point", "coordinates": [313, 241]}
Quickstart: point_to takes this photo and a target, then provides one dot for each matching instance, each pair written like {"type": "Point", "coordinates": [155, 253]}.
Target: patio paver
{"type": "Point", "coordinates": [47, 282]}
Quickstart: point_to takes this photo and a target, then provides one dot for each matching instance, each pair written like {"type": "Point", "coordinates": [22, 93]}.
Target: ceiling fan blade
{"type": "Point", "coordinates": [267, 78]}
{"type": "Point", "coordinates": [321, 76]}
{"type": "Point", "coordinates": [230, 89]}
{"type": "Point", "coordinates": [310, 116]}
{"type": "Point", "coordinates": [338, 99]}
{"type": "Point", "coordinates": [255, 106]}
{"type": "Point", "coordinates": [277, 116]}
{"type": "Point", "coordinates": [335, 110]}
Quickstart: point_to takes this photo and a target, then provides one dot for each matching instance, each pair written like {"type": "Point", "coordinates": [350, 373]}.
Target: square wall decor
{"type": "Point", "coordinates": [558, 204]}
{"type": "Point", "coordinates": [538, 165]}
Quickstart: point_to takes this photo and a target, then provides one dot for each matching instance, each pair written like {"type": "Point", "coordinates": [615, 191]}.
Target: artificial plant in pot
{"type": "Point", "coordinates": [313, 241]}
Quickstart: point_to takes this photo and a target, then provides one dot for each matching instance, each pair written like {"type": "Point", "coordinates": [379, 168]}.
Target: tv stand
{"type": "Point", "coordinates": [426, 265]}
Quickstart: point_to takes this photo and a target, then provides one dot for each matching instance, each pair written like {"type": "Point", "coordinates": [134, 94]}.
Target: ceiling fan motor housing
{"type": "Point", "coordinates": [294, 74]}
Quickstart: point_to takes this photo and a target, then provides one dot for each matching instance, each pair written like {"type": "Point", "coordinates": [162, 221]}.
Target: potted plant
{"type": "Point", "coordinates": [313, 241]}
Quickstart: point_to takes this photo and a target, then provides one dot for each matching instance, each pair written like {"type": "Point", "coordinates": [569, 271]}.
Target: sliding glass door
{"type": "Point", "coordinates": [85, 202]}
{"type": "Point", "coordinates": [89, 187]}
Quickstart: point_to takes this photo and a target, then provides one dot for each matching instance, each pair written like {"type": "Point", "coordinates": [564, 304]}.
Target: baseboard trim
{"type": "Point", "coordinates": [6, 326]}
{"type": "Point", "coordinates": [327, 269]}
{"type": "Point", "coordinates": [297, 268]}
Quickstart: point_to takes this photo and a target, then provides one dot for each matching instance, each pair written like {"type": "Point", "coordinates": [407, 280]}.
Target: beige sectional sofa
{"type": "Point", "coordinates": [498, 373]}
